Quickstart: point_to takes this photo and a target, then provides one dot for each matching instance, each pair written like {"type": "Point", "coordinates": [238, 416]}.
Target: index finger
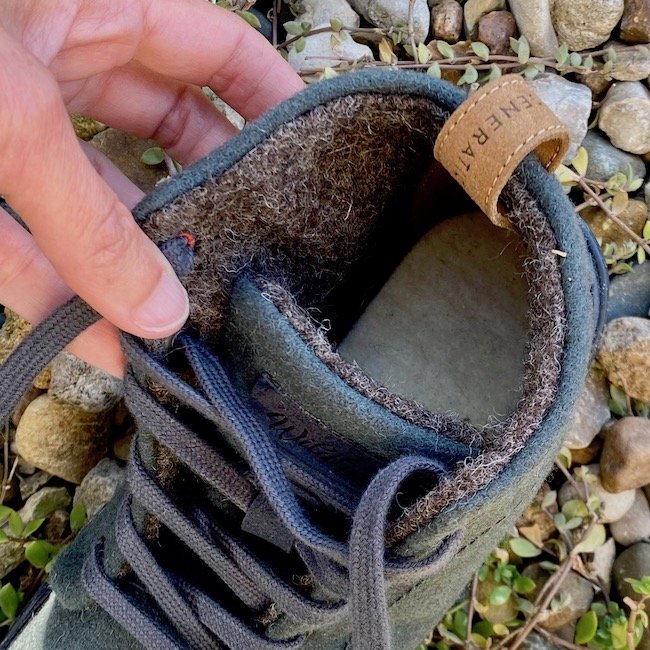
{"type": "Point", "coordinates": [202, 44]}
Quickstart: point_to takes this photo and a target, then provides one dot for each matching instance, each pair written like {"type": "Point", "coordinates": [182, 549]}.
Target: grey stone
{"type": "Point", "coordinates": [76, 382]}
{"type": "Point", "coordinates": [633, 562]}
{"type": "Point", "coordinates": [635, 25]}
{"type": "Point", "coordinates": [394, 13]}
{"type": "Point", "coordinates": [625, 116]}
{"type": "Point", "coordinates": [126, 151]}
{"type": "Point", "coordinates": [583, 24]}
{"type": "Point", "coordinates": [29, 484]}
{"type": "Point", "coordinates": [629, 294]}
{"type": "Point", "coordinates": [473, 11]}
{"type": "Point", "coordinates": [632, 63]}
{"type": "Point", "coordinates": [447, 21]}
{"type": "Point", "coordinates": [605, 159]}
{"type": "Point", "coordinates": [590, 412]}
{"type": "Point", "coordinates": [601, 562]}
{"type": "Point", "coordinates": [571, 103]}
{"type": "Point", "coordinates": [624, 352]}
{"type": "Point", "coordinates": [579, 590]}
{"type": "Point", "coordinates": [614, 506]}
{"type": "Point", "coordinates": [534, 21]}
{"type": "Point", "coordinates": [44, 502]}
{"type": "Point", "coordinates": [496, 29]}
{"type": "Point", "coordinates": [11, 555]}
{"type": "Point", "coordinates": [321, 12]}
{"type": "Point", "coordinates": [99, 486]}
{"type": "Point", "coordinates": [332, 52]}
{"type": "Point", "coordinates": [57, 526]}
{"type": "Point", "coordinates": [634, 525]}
{"type": "Point", "coordinates": [62, 439]}
{"type": "Point", "coordinates": [625, 460]}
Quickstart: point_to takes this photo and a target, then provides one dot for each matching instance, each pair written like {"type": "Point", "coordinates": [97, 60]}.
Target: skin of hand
{"type": "Point", "coordinates": [136, 65]}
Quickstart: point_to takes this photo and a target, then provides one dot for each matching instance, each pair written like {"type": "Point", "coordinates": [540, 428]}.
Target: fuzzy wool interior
{"type": "Point", "coordinates": [298, 211]}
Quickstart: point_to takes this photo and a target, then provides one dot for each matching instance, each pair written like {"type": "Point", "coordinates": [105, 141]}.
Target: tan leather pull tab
{"type": "Point", "coordinates": [491, 132]}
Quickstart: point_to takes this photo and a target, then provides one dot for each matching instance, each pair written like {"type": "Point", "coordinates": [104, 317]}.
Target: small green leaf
{"type": "Point", "coordinates": [336, 25]}
{"type": "Point", "coordinates": [610, 57]}
{"type": "Point", "coordinates": [445, 49]}
{"type": "Point", "coordinates": [15, 524]}
{"type": "Point", "coordinates": [305, 27]}
{"type": "Point", "coordinates": [153, 156]}
{"type": "Point", "coordinates": [3, 536]}
{"type": "Point", "coordinates": [575, 508]}
{"type": "Point", "coordinates": [640, 255]}
{"type": "Point", "coordinates": [33, 526]}
{"type": "Point", "coordinates": [484, 628]}
{"type": "Point", "coordinates": [460, 624]}
{"type": "Point", "coordinates": [495, 72]}
{"type": "Point", "coordinates": [640, 586]}
{"type": "Point", "coordinates": [386, 54]}
{"type": "Point", "coordinates": [481, 50]}
{"type": "Point", "coordinates": [5, 512]}
{"type": "Point", "coordinates": [434, 70]}
{"type": "Point", "coordinates": [292, 28]}
{"type": "Point", "coordinates": [581, 160]}
{"type": "Point", "coordinates": [592, 541]}
{"type": "Point", "coordinates": [500, 595]}
{"type": "Point", "coordinates": [300, 44]}
{"type": "Point", "coordinates": [523, 51]}
{"type": "Point", "coordinates": [618, 401]}
{"type": "Point", "coordinates": [39, 552]}
{"type": "Point", "coordinates": [523, 584]}
{"type": "Point", "coordinates": [250, 18]}
{"type": "Point", "coordinates": [470, 75]}
{"type": "Point", "coordinates": [78, 517]}
{"type": "Point", "coordinates": [514, 45]}
{"type": "Point", "coordinates": [549, 499]}
{"type": "Point", "coordinates": [523, 548]}
{"type": "Point", "coordinates": [562, 54]}
{"type": "Point", "coordinates": [575, 59]}
{"type": "Point", "coordinates": [423, 53]}
{"type": "Point", "coordinates": [588, 62]}
{"type": "Point", "coordinates": [646, 230]}
{"type": "Point", "coordinates": [9, 601]}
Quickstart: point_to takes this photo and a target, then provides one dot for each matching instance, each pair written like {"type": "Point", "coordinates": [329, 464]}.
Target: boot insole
{"type": "Point", "coordinates": [448, 329]}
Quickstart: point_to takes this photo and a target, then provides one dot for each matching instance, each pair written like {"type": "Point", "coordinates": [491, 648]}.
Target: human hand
{"type": "Point", "coordinates": [137, 65]}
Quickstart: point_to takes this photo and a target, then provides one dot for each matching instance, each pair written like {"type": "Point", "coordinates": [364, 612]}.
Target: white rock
{"type": "Point", "coordinates": [625, 116]}
{"type": "Point", "coordinates": [602, 561]}
{"type": "Point", "coordinates": [583, 24]}
{"type": "Point", "coordinates": [321, 12]}
{"type": "Point", "coordinates": [634, 525]}
{"type": "Point", "coordinates": [322, 51]}
{"type": "Point", "coordinates": [590, 412]}
{"type": "Point", "coordinates": [614, 506]}
{"type": "Point", "coordinates": [571, 103]}
{"type": "Point", "coordinates": [534, 22]}
{"type": "Point", "coordinates": [394, 13]}
{"type": "Point", "coordinates": [474, 9]}
{"type": "Point", "coordinates": [99, 486]}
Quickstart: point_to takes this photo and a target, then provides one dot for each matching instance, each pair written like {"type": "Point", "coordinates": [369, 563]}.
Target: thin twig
{"type": "Point", "coordinates": [582, 492]}
{"type": "Point", "coordinates": [558, 580]}
{"type": "Point", "coordinates": [621, 224]}
{"type": "Point", "coordinates": [5, 463]}
{"type": "Point", "coordinates": [411, 31]}
{"type": "Point", "coordinates": [557, 640]}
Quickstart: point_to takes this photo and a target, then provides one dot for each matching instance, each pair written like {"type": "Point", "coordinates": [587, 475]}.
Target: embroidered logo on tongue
{"type": "Point", "coordinates": [298, 432]}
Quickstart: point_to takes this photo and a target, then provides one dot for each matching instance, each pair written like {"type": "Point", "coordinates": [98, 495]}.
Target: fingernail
{"type": "Point", "coordinates": [167, 308]}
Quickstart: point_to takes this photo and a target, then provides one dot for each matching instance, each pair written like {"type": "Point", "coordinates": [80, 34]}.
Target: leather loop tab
{"type": "Point", "coordinates": [491, 132]}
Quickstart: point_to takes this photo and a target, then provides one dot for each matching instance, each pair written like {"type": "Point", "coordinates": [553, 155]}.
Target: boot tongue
{"type": "Point", "coordinates": [310, 408]}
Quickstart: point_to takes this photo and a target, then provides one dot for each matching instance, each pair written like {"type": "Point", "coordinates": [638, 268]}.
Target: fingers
{"type": "Point", "coordinates": [176, 115]}
{"type": "Point", "coordinates": [31, 287]}
{"type": "Point", "coordinates": [223, 52]}
{"type": "Point", "coordinates": [79, 223]}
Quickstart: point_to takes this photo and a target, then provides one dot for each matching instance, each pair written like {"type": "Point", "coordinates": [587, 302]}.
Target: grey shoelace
{"type": "Point", "coordinates": [354, 574]}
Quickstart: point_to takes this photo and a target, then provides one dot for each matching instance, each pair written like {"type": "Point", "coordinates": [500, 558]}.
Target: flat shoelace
{"type": "Point", "coordinates": [354, 573]}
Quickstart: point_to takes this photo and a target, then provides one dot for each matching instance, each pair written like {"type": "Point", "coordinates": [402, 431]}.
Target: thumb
{"type": "Point", "coordinates": [79, 223]}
